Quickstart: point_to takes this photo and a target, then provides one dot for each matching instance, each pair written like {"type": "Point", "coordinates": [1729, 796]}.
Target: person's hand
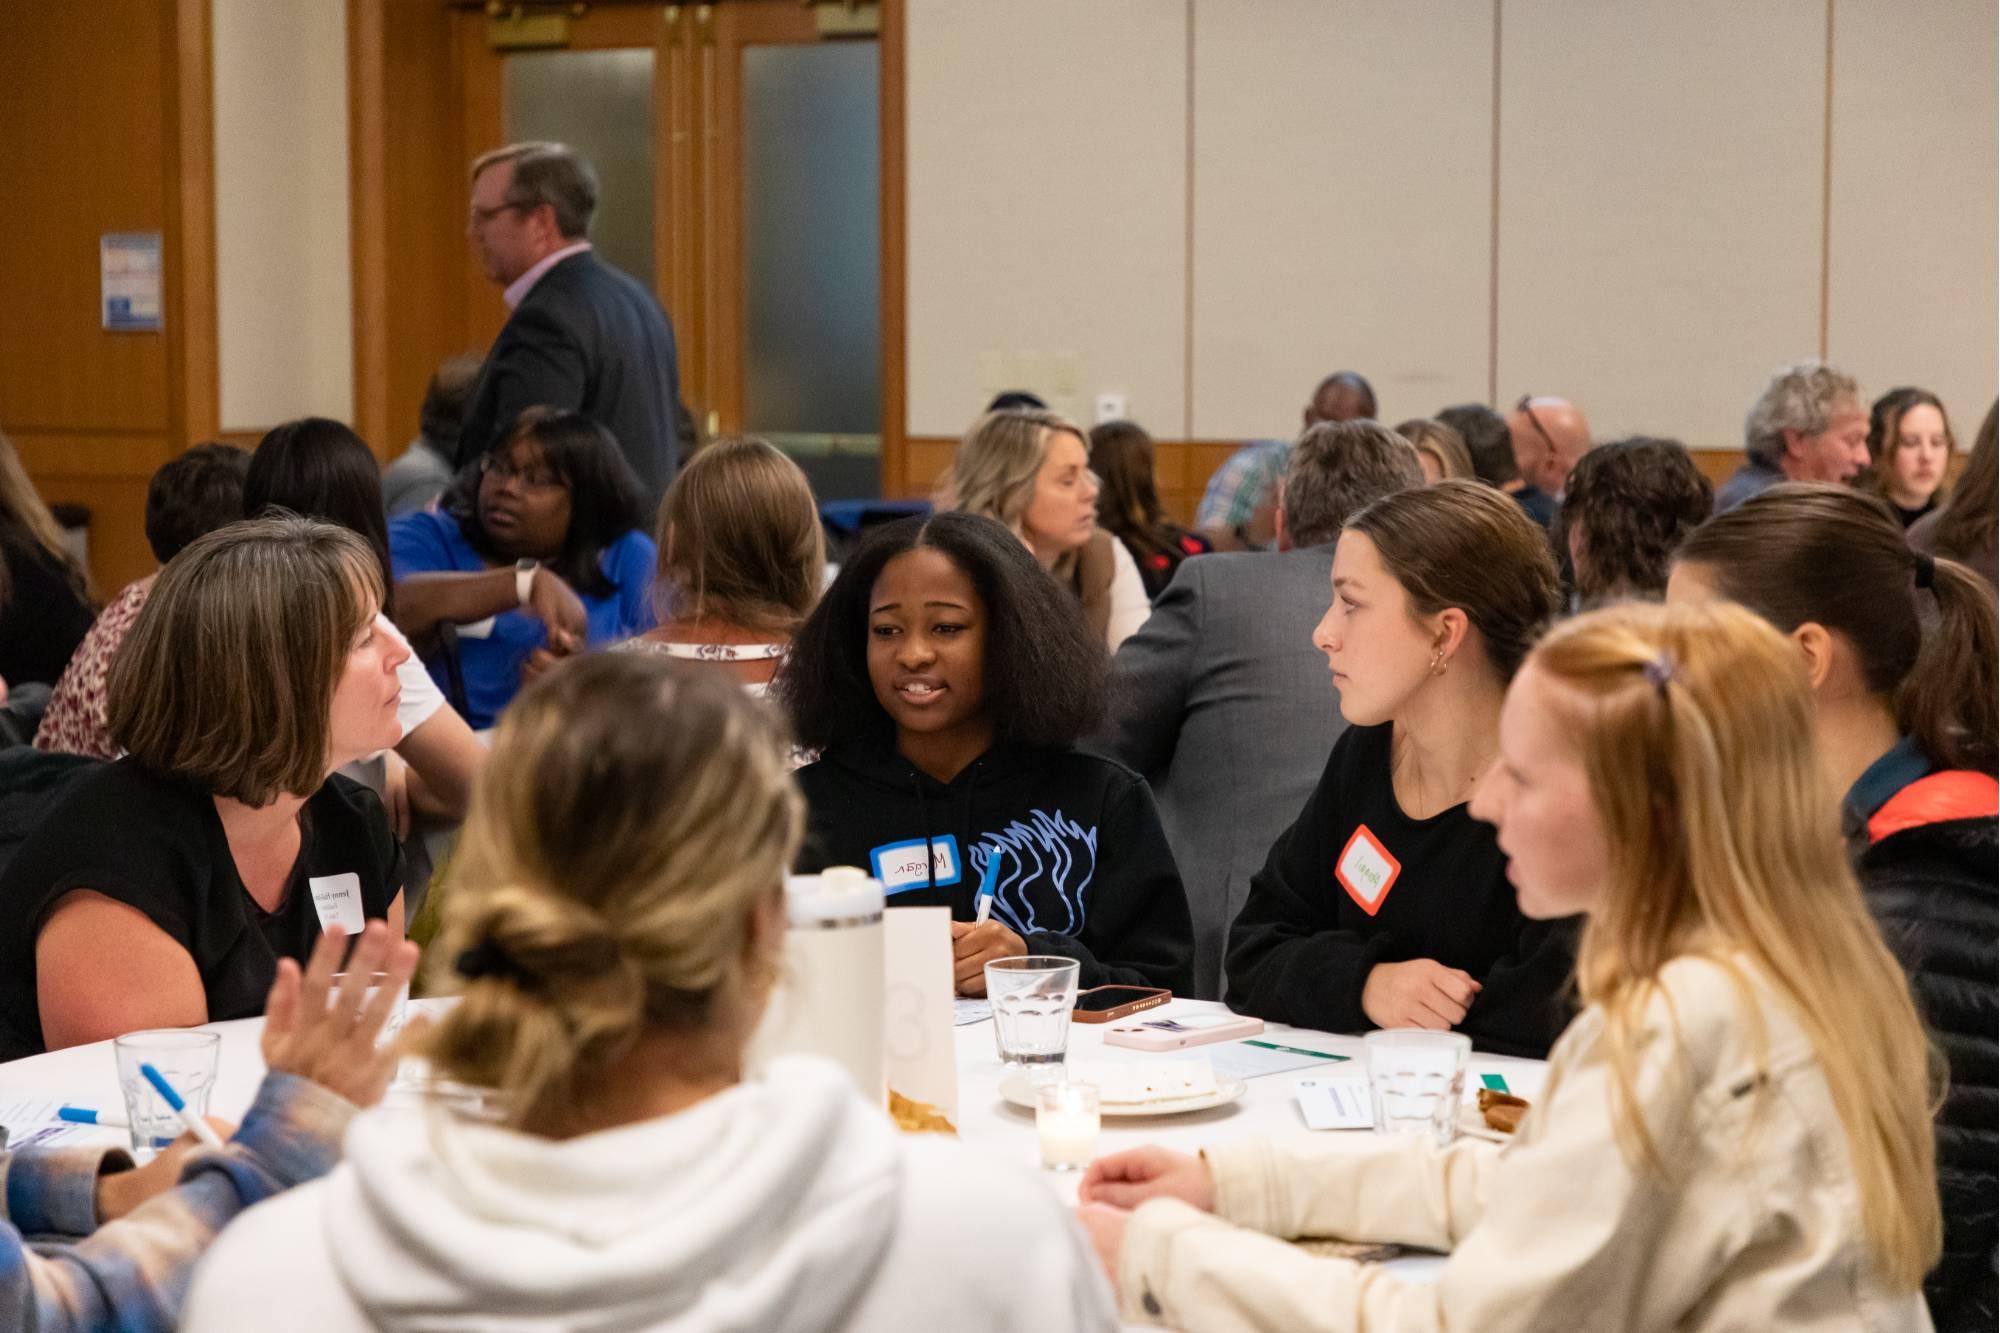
{"type": "Point", "coordinates": [973, 947]}
{"type": "Point", "coordinates": [1105, 1226]}
{"type": "Point", "coordinates": [1418, 994]}
{"type": "Point", "coordinates": [551, 601]}
{"type": "Point", "coordinates": [1127, 1179]}
{"type": "Point", "coordinates": [396, 793]}
{"type": "Point", "coordinates": [122, 1191]}
{"type": "Point", "coordinates": [328, 1036]}
{"type": "Point", "coordinates": [539, 663]}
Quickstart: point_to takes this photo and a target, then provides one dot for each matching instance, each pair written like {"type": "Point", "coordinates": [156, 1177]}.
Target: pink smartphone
{"type": "Point", "coordinates": [1173, 1034]}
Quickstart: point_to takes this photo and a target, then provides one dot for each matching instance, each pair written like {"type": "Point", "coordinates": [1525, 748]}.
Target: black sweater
{"type": "Point", "coordinates": [1301, 949]}
{"type": "Point", "coordinates": [1084, 868]}
{"type": "Point", "coordinates": [1932, 890]}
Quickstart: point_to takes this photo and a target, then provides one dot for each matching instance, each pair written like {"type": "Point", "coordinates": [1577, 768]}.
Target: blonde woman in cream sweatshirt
{"type": "Point", "coordinates": [1734, 1133]}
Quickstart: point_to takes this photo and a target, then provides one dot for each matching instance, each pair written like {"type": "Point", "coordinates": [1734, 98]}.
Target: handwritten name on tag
{"type": "Point", "coordinates": [901, 865]}
{"type": "Point", "coordinates": [1366, 870]}
{"type": "Point", "coordinates": [337, 899]}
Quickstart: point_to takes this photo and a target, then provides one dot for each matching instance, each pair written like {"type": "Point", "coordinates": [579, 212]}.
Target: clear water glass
{"type": "Point", "coordinates": [374, 982]}
{"type": "Point", "coordinates": [1415, 1080]}
{"type": "Point", "coordinates": [1032, 998]}
{"type": "Point", "coordinates": [187, 1059]}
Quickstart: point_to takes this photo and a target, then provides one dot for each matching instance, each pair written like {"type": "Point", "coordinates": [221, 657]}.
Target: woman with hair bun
{"type": "Point", "coordinates": [1734, 1131]}
{"type": "Point", "coordinates": [1900, 651]}
{"type": "Point", "coordinates": [1386, 903]}
{"type": "Point", "coordinates": [616, 924]}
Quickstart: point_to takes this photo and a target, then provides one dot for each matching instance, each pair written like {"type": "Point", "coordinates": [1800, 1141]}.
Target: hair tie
{"type": "Point", "coordinates": [1658, 671]}
{"type": "Point", "coordinates": [490, 958]}
{"type": "Point", "coordinates": [1926, 571]}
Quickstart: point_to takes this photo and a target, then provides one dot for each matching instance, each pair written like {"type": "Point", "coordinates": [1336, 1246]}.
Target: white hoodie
{"type": "Point", "coordinates": [786, 1204]}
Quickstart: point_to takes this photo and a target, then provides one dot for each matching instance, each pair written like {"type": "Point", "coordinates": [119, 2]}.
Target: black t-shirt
{"type": "Point", "coordinates": [43, 617]}
{"type": "Point", "coordinates": [1355, 882]}
{"type": "Point", "coordinates": [156, 843]}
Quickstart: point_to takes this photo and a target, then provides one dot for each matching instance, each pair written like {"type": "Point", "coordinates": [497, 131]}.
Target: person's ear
{"type": "Point", "coordinates": [1795, 443]}
{"type": "Point", "coordinates": [1449, 628]}
{"type": "Point", "coordinates": [1816, 646]}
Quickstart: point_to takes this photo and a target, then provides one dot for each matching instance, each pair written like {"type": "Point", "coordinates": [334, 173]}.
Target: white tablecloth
{"type": "Point", "coordinates": [87, 1076]}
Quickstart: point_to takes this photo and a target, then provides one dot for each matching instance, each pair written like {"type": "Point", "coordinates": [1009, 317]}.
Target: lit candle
{"type": "Point", "coordinates": [1066, 1119]}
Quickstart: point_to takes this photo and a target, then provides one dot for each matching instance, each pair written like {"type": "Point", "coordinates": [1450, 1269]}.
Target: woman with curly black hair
{"type": "Point", "coordinates": [1628, 507]}
{"type": "Point", "coordinates": [946, 679]}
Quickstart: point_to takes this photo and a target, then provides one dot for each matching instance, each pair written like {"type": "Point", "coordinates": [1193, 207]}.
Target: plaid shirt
{"type": "Point", "coordinates": [131, 1275]}
{"type": "Point", "coordinates": [1243, 482]}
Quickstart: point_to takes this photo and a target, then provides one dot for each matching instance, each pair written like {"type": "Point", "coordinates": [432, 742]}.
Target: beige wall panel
{"type": "Point", "coordinates": [284, 303]}
{"type": "Point", "coordinates": [1914, 214]}
{"type": "Point", "coordinates": [1342, 205]}
{"type": "Point", "coordinates": [1047, 185]}
{"type": "Point", "coordinates": [1660, 199]}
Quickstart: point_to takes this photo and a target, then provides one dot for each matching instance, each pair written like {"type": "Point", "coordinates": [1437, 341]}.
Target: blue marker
{"type": "Point", "coordinates": [83, 1115]}
{"type": "Point", "coordinates": [195, 1124]}
{"type": "Point", "coordinates": [984, 907]}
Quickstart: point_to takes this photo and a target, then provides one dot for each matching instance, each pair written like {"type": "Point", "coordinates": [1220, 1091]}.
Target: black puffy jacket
{"type": "Point", "coordinates": [1930, 881]}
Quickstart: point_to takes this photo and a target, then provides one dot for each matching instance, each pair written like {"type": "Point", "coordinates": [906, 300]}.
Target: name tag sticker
{"type": "Point", "coordinates": [900, 865]}
{"type": "Point", "coordinates": [337, 899]}
{"type": "Point", "coordinates": [1366, 870]}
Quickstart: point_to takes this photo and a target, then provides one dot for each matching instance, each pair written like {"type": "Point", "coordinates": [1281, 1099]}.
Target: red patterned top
{"type": "Point", "coordinates": [75, 720]}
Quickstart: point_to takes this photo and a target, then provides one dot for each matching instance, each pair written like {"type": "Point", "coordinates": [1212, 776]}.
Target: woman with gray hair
{"type": "Point", "coordinates": [1031, 471]}
{"type": "Point", "coordinates": [1807, 425]}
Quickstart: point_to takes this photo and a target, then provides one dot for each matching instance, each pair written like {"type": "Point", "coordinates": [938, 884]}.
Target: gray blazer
{"type": "Point", "coordinates": [1227, 709]}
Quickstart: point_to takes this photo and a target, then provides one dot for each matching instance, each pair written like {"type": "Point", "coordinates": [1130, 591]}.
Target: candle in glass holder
{"type": "Point", "coordinates": [1066, 1119]}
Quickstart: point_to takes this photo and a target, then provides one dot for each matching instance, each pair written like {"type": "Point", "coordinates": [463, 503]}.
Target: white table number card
{"type": "Point", "coordinates": [920, 1056]}
{"type": "Point", "coordinates": [337, 899]}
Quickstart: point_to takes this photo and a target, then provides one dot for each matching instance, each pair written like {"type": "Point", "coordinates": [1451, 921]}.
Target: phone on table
{"type": "Point", "coordinates": [1173, 1034]}
{"type": "Point", "coordinates": [1105, 1004]}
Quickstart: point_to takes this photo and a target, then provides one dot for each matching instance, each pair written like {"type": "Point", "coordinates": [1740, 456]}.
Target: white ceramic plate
{"type": "Point", "coordinates": [1018, 1087]}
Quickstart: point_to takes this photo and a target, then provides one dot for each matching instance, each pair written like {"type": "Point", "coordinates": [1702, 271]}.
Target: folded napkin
{"type": "Point", "coordinates": [1137, 1082]}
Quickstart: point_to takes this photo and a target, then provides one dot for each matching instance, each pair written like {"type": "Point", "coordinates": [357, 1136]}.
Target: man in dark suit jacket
{"type": "Point", "coordinates": [1225, 706]}
{"type": "Point", "coordinates": [582, 335]}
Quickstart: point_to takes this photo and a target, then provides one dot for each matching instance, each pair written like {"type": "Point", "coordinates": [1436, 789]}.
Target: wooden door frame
{"type": "Point", "coordinates": [694, 279]}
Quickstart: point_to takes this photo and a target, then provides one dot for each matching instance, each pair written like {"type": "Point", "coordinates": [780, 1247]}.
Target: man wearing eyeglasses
{"type": "Point", "coordinates": [583, 336]}
{"type": "Point", "coordinates": [1549, 435]}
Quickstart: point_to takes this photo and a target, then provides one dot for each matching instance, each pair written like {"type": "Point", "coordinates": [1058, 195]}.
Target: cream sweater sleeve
{"type": "Point", "coordinates": [1554, 1225]}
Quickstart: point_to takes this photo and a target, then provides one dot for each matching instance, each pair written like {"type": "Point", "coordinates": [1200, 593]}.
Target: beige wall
{"type": "Point", "coordinates": [284, 312]}
{"type": "Point", "coordinates": [1254, 192]}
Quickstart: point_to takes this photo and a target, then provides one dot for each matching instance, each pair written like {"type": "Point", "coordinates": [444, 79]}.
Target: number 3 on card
{"type": "Point", "coordinates": [1366, 870]}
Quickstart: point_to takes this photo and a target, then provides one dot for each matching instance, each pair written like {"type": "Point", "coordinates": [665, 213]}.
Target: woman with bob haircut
{"type": "Point", "coordinates": [534, 555]}
{"type": "Point", "coordinates": [1031, 471]}
{"type": "Point", "coordinates": [1386, 903]}
{"type": "Point", "coordinates": [1627, 508]}
{"type": "Point", "coordinates": [1900, 653]}
{"type": "Point", "coordinates": [1129, 508]}
{"type": "Point", "coordinates": [742, 560]}
{"type": "Point", "coordinates": [165, 887]}
{"type": "Point", "coordinates": [616, 926]}
{"type": "Point", "coordinates": [1734, 1131]}
{"type": "Point", "coordinates": [946, 683]}
{"type": "Point", "coordinates": [319, 468]}
{"type": "Point", "coordinates": [1910, 445]}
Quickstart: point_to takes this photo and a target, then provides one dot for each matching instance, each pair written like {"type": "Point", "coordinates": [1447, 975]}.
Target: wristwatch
{"type": "Point", "coordinates": [524, 579]}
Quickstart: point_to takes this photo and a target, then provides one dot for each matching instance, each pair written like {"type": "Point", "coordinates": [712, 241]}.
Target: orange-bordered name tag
{"type": "Point", "coordinates": [1366, 870]}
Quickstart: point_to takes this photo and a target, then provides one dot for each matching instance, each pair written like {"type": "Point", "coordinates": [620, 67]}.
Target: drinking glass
{"type": "Point", "coordinates": [375, 981]}
{"type": "Point", "coordinates": [1067, 1122]}
{"type": "Point", "coordinates": [1032, 998]}
{"type": "Point", "coordinates": [1415, 1078]}
{"type": "Point", "coordinates": [187, 1060]}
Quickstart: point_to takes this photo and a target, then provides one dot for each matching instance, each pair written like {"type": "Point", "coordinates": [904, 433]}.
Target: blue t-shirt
{"type": "Point", "coordinates": [431, 543]}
